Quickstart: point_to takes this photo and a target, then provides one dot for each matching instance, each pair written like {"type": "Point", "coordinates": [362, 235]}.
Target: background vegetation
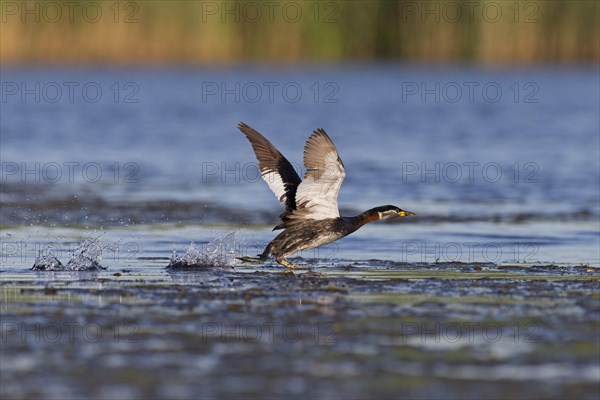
{"type": "Point", "coordinates": [228, 32]}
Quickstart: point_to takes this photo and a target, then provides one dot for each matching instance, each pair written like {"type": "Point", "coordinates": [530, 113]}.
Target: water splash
{"type": "Point", "coordinates": [86, 257]}
{"type": "Point", "coordinates": [46, 261]}
{"type": "Point", "coordinates": [220, 252]}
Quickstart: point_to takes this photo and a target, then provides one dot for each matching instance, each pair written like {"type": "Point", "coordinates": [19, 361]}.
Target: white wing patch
{"type": "Point", "coordinates": [317, 195]}
{"type": "Point", "coordinates": [276, 184]}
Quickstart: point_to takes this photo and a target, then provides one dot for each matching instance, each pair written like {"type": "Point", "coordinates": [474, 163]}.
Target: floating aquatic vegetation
{"type": "Point", "coordinates": [86, 257]}
{"type": "Point", "coordinates": [220, 252]}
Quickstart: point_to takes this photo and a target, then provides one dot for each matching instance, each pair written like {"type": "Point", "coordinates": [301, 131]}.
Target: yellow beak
{"type": "Point", "coordinates": [406, 214]}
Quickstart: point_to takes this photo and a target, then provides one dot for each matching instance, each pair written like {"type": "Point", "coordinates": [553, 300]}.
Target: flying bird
{"type": "Point", "coordinates": [311, 217]}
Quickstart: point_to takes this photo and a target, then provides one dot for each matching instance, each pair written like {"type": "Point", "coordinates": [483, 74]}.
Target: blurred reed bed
{"type": "Point", "coordinates": [227, 32]}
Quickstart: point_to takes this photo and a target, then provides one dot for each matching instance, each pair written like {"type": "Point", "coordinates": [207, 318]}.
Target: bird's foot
{"type": "Point", "coordinates": [250, 259]}
{"type": "Point", "coordinates": [288, 264]}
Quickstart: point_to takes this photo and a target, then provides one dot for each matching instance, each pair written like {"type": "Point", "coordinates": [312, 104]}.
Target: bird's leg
{"type": "Point", "coordinates": [287, 264]}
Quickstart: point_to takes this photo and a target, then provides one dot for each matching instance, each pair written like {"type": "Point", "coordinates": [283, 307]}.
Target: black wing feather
{"type": "Point", "coordinates": [270, 160]}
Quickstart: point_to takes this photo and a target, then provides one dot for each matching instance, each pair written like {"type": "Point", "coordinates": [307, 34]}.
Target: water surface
{"type": "Point", "coordinates": [484, 157]}
{"type": "Point", "coordinates": [504, 248]}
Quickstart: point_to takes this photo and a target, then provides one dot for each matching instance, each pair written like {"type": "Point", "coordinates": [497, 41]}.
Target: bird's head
{"type": "Point", "coordinates": [386, 212]}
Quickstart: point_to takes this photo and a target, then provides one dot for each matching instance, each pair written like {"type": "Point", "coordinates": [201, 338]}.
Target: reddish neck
{"type": "Point", "coordinates": [366, 217]}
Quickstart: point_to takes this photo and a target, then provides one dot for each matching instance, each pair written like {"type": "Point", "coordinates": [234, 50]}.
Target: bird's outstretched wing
{"type": "Point", "coordinates": [316, 196]}
{"type": "Point", "coordinates": [275, 169]}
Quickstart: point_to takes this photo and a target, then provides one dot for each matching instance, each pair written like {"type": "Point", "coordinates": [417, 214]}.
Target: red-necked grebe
{"type": "Point", "coordinates": [311, 217]}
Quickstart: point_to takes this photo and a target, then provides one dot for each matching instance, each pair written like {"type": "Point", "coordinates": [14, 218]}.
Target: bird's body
{"type": "Point", "coordinates": [311, 217]}
{"type": "Point", "coordinates": [311, 233]}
